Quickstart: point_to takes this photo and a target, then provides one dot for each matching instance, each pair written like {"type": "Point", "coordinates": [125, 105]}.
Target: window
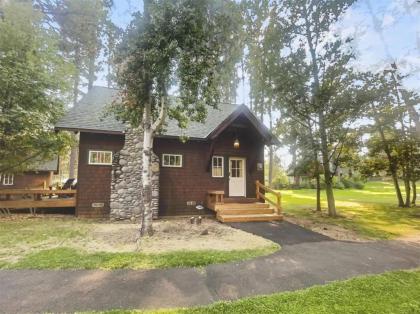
{"type": "Point", "coordinates": [236, 168]}
{"type": "Point", "coordinates": [171, 160]}
{"type": "Point", "coordinates": [217, 167]}
{"type": "Point", "coordinates": [8, 179]}
{"type": "Point", "coordinates": [100, 157]}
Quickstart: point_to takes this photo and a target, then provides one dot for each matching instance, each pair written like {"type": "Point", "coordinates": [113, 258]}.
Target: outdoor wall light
{"type": "Point", "coordinates": [236, 143]}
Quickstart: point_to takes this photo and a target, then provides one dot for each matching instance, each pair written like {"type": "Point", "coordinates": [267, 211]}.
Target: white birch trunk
{"type": "Point", "coordinates": [149, 130]}
{"type": "Point", "coordinates": [147, 217]}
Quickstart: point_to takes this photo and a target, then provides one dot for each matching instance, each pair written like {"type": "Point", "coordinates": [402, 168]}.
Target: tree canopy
{"type": "Point", "coordinates": [33, 83]}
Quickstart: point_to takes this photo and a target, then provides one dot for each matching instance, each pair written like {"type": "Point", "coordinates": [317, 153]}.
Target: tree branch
{"type": "Point", "coordinates": [162, 115]}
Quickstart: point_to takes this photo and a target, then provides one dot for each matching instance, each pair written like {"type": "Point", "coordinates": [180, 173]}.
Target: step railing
{"type": "Point", "coordinates": [266, 189]}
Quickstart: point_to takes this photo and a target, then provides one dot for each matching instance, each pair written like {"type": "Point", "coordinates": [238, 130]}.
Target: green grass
{"type": "Point", "coordinates": [394, 292]}
{"type": "Point", "coordinates": [20, 236]}
{"type": "Point", "coordinates": [57, 243]}
{"type": "Point", "coordinates": [371, 212]}
{"type": "Point", "coordinates": [69, 258]}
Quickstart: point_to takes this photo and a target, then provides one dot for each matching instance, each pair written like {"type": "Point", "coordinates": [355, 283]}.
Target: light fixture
{"type": "Point", "coordinates": [236, 143]}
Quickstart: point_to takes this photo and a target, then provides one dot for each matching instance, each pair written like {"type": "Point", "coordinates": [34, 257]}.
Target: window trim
{"type": "Point", "coordinates": [100, 163]}
{"type": "Point", "coordinates": [223, 166]}
{"type": "Point", "coordinates": [8, 175]}
{"type": "Point", "coordinates": [172, 166]}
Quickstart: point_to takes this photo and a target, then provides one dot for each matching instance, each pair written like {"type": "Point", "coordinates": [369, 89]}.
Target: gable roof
{"type": "Point", "coordinates": [50, 165]}
{"type": "Point", "coordinates": [89, 116]}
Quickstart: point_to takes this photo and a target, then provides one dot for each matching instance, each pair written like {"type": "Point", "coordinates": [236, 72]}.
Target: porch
{"type": "Point", "coordinates": [243, 209]}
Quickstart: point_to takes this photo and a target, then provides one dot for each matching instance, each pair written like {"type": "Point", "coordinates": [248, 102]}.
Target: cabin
{"type": "Point", "coordinates": [39, 177]}
{"type": "Point", "coordinates": [213, 167]}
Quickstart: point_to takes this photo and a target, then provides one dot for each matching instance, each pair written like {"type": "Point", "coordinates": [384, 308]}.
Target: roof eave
{"type": "Point", "coordinates": [270, 139]}
{"type": "Point", "coordinates": [72, 129]}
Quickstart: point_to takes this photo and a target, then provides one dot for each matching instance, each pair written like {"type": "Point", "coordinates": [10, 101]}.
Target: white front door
{"type": "Point", "coordinates": [237, 174]}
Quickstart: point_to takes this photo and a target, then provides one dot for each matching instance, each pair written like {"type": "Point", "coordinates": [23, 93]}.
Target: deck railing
{"type": "Point", "coordinates": [259, 195]}
{"type": "Point", "coordinates": [32, 199]}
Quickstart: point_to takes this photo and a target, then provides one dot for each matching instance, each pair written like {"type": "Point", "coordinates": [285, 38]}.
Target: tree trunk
{"type": "Point", "coordinates": [147, 217]}
{"type": "Point", "coordinates": [270, 165]}
{"type": "Point", "coordinates": [91, 69]}
{"type": "Point", "coordinates": [76, 83]}
{"type": "Point", "coordinates": [318, 187]}
{"type": "Point", "coordinates": [414, 187]}
{"type": "Point", "coordinates": [332, 212]}
{"type": "Point", "coordinates": [293, 150]}
{"type": "Point", "coordinates": [407, 191]}
{"type": "Point", "coordinates": [392, 166]}
{"type": "Point", "coordinates": [73, 159]}
{"type": "Point", "coordinates": [397, 187]}
{"type": "Point", "coordinates": [271, 150]}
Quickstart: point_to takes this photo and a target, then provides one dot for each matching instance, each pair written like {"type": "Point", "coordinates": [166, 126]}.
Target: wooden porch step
{"type": "Point", "coordinates": [248, 218]}
{"type": "Point", "coordinates": [241, 200]}
{"type": "Point", "coordinates": [241, 206]}
{"type": "Point", "coordinates": [245, 211]}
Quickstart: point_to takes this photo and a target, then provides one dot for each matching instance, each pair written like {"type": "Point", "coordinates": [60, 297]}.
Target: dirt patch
{"type": "Point", "coordinates": [332, 231]}
{"type": "Point", "coordinates": [175, 235]}
{"type": "Point", "coordinates": [22, 235]}
{"type": "Point", "coordinates": [413, 238]}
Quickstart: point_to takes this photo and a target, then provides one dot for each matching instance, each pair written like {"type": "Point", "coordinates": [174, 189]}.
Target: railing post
{"type": "Point", "coordinates": [257, 191]}
{"type": "Point", "coordinates": [278, 203]}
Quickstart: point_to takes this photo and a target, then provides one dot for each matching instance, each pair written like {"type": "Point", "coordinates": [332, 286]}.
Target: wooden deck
{"type": "Point", "coordinates": [244, 209]}
{"type": "Point", "coordinates": [33, 199]}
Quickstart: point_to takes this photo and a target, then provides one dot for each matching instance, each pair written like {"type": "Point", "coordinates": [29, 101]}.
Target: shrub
{"type": "Point", "coordinates": [339, 185]}
{"type": "Point", "coordinates": [352, 183]}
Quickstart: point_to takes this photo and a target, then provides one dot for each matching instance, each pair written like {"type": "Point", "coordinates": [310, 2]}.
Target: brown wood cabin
{"type": "Point", "coordinates": [40, 177]}
{"type": "Point", "coordinates": [223, 155]}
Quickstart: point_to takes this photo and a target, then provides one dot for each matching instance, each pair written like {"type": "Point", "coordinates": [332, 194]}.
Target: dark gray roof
{"type": "Point", "coordinates": [89, 115]}
{"type": "Point", "coordinates": [50, 165]}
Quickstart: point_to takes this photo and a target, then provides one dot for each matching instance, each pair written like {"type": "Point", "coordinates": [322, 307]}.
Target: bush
{"type": "Point", "coordinates": [359, 185]}
{"type": "Point", "coordinates": [353, 183]}
{"type": "Point", "coordinates": [339, 185]}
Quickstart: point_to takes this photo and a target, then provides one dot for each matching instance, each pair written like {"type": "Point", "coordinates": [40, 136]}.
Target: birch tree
{"type": "Point", "coordinates": [180, 46]}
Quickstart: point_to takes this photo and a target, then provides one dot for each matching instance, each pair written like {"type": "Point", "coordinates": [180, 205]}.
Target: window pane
{"type": "Point", "coordinates": [94, 157]}
{"type": "Point", "coordinates": [108, 158]}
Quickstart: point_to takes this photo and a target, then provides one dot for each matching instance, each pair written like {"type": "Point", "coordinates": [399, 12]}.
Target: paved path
{"type": "Point", "coordinates": [297, 265]}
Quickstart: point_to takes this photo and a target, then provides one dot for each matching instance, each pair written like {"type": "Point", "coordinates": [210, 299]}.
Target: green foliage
{"type": "Point", "coordinates": [350, 183]}
{"type": "Point", "coordinates": [33, 80]}
{"type": "Point", "coordinates": [68, 258]}
{"type": "Point", "coordinates": [180, 46]}
{"type": "Point", "coordinates": [83, 27]}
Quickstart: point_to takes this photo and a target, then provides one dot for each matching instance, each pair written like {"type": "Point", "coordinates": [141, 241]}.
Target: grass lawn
{"type": "Point", "coordinates": [48, 243]}
{"type": "Point", "coordinates": [371, 212]}
{"type": "Point", "coordinates": [394, 292]}
{"type": "Point", "coordinates": [69, 258]}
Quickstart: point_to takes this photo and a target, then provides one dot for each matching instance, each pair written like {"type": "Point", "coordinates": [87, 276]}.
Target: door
{"type": "Point", "coordinates": [237, 180]}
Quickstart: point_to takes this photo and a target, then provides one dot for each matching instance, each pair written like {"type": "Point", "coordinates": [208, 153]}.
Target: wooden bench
{"type": "Point", "coordinates": [214, 198]}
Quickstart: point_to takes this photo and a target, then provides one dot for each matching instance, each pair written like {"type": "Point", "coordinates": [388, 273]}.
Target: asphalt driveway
{"type": "Point", "coordinates": [303, 261]}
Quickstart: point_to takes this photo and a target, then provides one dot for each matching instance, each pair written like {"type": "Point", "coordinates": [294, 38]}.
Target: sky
{"type": "Point", "coordinates": [399, 21]}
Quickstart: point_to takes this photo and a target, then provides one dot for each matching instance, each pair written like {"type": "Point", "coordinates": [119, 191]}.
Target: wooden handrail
{"type": "Point", "coordinates": [37, 191]}
{"type": "Point", "coordinates": [259, 195]}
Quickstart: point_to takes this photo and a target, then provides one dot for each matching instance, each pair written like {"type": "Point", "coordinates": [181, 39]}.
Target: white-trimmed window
{"type": "Point", "coordinates": [171, 160]}
{"type": "Point", "coordinates": [100, 157]}
{"type": "Point", "coordinates": [217, 169]}
{"type": "Point", "coordinates": [8, 179]}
